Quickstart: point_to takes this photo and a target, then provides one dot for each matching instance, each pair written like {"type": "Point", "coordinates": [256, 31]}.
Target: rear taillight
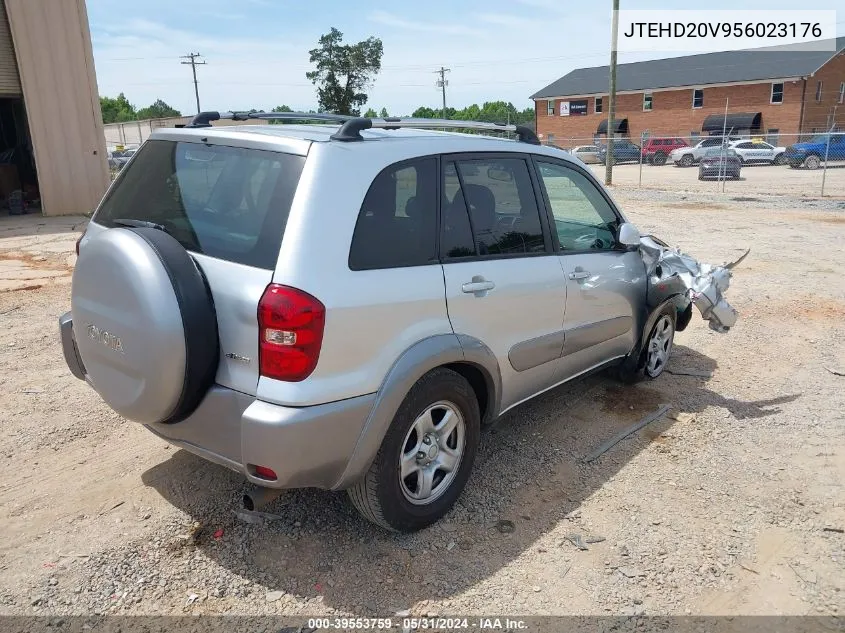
{"type": "Point", "coordinates": [290, 330]}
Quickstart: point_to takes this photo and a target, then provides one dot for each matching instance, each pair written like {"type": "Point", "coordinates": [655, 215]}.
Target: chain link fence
{"type": "Point", "coordinates": [806, 164]}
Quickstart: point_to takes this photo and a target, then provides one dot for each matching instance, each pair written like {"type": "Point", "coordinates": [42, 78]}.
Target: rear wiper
{"type": "Point", "coordinates": [140, 224]}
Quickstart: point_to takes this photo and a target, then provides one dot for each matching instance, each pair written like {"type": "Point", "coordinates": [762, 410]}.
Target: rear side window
{"type": "Point", "coordinates": [231, 203]}
{"type": "Point", "coordinates": [397, 224]}
{"type": "Point", "coordinates": [490, 209]}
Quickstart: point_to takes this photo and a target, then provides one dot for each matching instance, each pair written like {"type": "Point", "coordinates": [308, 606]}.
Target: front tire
{"type": "Point", "coordinates": [780, 159]}
{"type": "Point", "coordinates": [655, 351]}
{"type": "Point", "coordinates": [426, 456]}
{"type": "Point", "coordinates": [686, 160]}
{"type": "Point", "coordinates": [659, 159]}
{"type": "Point", "coordinates": [812, 162]}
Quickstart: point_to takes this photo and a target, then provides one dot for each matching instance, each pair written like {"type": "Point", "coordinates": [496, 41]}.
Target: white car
{"type": "Point", "coordinates": [689, 156]}
{"type": "Point", "coordinates": [759, 152]}
{"type": "Point", "coordinates": [588, 154]}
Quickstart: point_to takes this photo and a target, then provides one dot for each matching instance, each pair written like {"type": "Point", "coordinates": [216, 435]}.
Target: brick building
{"type": "Point", "coordinates": [769, 92]}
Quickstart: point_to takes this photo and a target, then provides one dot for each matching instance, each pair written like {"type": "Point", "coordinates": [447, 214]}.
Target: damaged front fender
{"type": "Point", "coordinates": [672, 273]}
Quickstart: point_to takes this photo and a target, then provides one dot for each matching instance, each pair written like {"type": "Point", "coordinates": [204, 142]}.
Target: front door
{"type": "Point", "coordinates": [504, 284]}
{"type": "Point", "coordinates": [606, 284]}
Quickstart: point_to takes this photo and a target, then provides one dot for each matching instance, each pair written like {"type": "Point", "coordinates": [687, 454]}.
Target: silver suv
{"type": "Point", "coordinates": [345, 306]}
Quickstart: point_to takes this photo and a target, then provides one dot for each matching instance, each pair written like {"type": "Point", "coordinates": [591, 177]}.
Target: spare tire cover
{"type": "Point", "coordinates": [144, 323]}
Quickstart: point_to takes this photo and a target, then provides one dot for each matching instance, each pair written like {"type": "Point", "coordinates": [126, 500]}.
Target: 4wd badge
{"type": "Point", "coordinates": [106, 338]}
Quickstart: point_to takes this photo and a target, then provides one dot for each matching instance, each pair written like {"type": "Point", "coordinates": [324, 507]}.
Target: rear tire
{"type": "Point", "coordinates": [437, 425]}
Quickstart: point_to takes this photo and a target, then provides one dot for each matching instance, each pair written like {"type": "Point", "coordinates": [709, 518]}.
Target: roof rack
{"type": "Point", "coordinates": [351, 126]}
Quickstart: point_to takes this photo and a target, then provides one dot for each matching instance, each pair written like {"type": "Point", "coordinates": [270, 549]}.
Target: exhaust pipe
{"type": "Point", "coordinates": [259, 497]}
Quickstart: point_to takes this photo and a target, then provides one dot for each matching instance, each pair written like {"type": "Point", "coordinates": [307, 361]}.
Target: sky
{"type": "Point", "coordinates": [257, 50]}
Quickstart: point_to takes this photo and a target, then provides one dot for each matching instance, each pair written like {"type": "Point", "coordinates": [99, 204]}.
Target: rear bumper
{"type": "Point", "coordinates": [304, 446]}
{"type": "Point", "coordinates": [307, 447]}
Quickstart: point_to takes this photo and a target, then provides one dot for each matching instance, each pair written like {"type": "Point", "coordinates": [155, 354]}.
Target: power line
{"type": "Point", "coordinates": [194, 63]}
{"type": "Point", "coordinates": [442, 83]}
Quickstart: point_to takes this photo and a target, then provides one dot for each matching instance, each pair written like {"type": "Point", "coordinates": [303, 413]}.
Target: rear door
{"type": "Point", "coordinates": [228, 207]}
{"type": "Point", "coordinates": [504, 284]}
{"type": "Point", "coordinates": [605, 282]}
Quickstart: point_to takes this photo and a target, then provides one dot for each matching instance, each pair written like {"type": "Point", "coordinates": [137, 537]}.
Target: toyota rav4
{"type": "Point", "coordinates": [346, 305]}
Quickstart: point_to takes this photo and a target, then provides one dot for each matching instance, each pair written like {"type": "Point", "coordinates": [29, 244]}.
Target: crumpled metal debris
{"type": "Point", "coordinates": [704, 283]}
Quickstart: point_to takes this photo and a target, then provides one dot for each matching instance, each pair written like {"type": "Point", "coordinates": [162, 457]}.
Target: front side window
{"type": "Point", "coordinates": [777, 93]}
{"type": "Point", "coordinates": [489, 209]}
{"type": "Point", "coordinates": [397, 224]}
{"type": "Point", "coordinates": [647, 101]}
{"type": "Point", "coordinates": [584, 220]}
{"type": "Point", "coordinates": [600, 105]}
{"type": "Point", "coordinates": [698, 98]}
{"type": "Point", "coordinates": [550, 107]}
{"type": "Point", "coordinates": [230, 203]}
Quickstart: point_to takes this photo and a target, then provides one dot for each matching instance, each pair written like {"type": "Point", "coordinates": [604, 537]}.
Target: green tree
{"type": "Point", "coordinates": [344, 71]}
{"type": "Point", "coordinates": [282, 108]}
{"type": "Point", "coordinates": [383, 114]}
{"type": "Point", "coordinates": [370, 113]}
{"type": "Point", "coordinates": [117, 110]}
{"type": "Point", "coordinates": [158, 110]}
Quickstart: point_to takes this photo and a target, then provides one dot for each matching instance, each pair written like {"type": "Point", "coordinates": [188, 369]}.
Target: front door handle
{"type": "Point", "coordinates": [478, 286]}
{"type": "Point", "coordinates": [579, 274]}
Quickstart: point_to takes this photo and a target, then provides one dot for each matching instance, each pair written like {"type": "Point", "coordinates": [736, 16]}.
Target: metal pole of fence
{"type": "Point", "coordinates": [827, 149]}
{"type": "Point", "coordinates": [722, 147]}
{"type": "Point", "coordinates": [642, 143]}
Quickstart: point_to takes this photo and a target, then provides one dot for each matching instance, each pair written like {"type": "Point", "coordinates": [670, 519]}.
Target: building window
{"type": "Point", "coordinates": [600, 103]}
{"type": "Point", "coordinates": [698, 98]}
{"type": "Point", "coordinates": [818, 91]}
{"type": "Point", "coordinates": [842, 92]}
{"type": "Point", "coordinates": [646, 101]}
{"type": "Point", "coordinates": [777, 93]}
{"type": "Point", "coordinates": [772, 136]}
{"type": "Point", "coordinates": [694, 136]}
{"type": "Point", "coordinates": [550, 139]}
{"type": "Point", "coordinates": [550, 107]}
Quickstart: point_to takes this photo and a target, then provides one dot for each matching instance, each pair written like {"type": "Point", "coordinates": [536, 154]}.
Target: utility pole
{"type": "Point", "coordinates": [611, 101]}
{"type": "Point", "coordinates": [194, 63]}
{"type": "Point", "coordinates": [442, 83]}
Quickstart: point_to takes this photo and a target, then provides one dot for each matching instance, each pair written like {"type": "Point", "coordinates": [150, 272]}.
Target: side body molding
{"type": "Point", "coordinates": [415, 362]}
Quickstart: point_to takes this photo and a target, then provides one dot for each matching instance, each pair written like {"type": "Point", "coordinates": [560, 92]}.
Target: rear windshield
{"type": "Point", "coordinates": [226, 202]}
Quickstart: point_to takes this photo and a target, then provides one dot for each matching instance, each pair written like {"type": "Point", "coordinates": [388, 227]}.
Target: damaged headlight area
{"type": "Point", "coordinates": [671, 272]}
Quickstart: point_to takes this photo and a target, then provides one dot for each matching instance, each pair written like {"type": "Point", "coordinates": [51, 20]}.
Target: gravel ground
{"type": "Point", "coordinates": [733, 505]}
{"type": "Point", "coordinates": [754, 179]}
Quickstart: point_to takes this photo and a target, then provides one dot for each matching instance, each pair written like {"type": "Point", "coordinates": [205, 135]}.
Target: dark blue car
{"type": "Point", "coordinates": [812, 153]}
{"type": "Point", "coordinates": [623, 152]}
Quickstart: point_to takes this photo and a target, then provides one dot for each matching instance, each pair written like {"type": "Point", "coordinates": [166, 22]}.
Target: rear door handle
{"type": "Point", "coordinates": [478, 286]}
{"type": "Point", "coordinates": [579, 274]}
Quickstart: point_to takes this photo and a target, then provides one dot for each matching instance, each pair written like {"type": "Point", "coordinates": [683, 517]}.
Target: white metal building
{"type": "Point", "coordinates": [52, 147]}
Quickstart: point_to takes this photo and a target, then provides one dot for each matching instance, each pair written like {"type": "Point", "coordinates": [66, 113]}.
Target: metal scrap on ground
{"type": "Point", "coordinates": [651, 417]}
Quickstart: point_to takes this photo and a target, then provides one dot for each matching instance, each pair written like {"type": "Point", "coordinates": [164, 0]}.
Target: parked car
{"type": "Point", "coordinates": [198, 308]}
{"type": "Point", "coordinates": [118, 158]}
{"type": "Point", "coordinates": [758, 152]}
{"type": "Point", "coordinates": [588, 154]}
{"type": "Point", "coordinates": [812, 153]}
{"type": "Point", "coordinates": [688, 156]}
{"type": "Point", "coordinates": [623, 152]}
{"type": "Point", "coordinates": [656, 150]}
{"type": "Point", "coordinates": [720, 162]}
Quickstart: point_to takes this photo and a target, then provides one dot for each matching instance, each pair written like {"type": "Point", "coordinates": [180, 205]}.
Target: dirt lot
{"type": "Point", "coordinates": [736, 506]}
{"type": "Point", "coordinates": [754, 179]}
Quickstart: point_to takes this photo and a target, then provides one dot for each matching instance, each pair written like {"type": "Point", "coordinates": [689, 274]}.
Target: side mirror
{"type": "Point", "coordinates": [629, 235]}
